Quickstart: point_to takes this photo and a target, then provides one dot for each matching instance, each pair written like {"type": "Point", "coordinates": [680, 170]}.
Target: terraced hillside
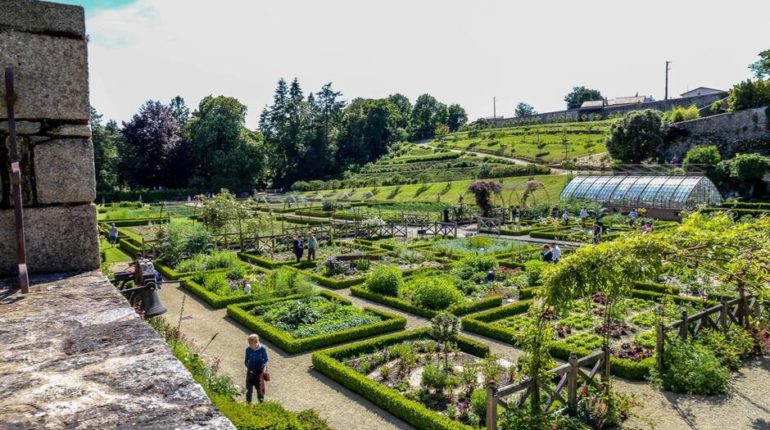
{"type": "Point", "coordinates": [545, 143]}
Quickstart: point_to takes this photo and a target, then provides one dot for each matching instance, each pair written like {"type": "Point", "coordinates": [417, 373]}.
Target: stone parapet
{"type": "Point", "coordinates": [76, 355]}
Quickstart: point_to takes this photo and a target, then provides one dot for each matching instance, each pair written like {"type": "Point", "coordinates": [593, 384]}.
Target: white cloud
{"type": "Point", "coordinates": [463, 52]}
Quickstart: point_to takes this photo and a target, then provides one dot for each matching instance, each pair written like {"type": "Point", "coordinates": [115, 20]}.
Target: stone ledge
{"type": "Point", "coordinates": [76, 355]}
{"type": "Point", "coordinates": [43, 17]}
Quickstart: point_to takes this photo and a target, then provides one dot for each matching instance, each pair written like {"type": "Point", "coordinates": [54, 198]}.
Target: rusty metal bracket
{"type": "Point", "coordinates": [10, 100]}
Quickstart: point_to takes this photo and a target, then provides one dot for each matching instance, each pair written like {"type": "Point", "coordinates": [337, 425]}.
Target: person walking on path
{"type": "Point", "coordinates": [312, 245]}
{"type": "Point", "coordinates": [583, 216]}
{"type": "Point", "coordinates": [297, 248]}
{"type": "Point", "coordinates": [633, 215]}
{"type": "Point", "coordinates": [113, 234]}
{"type": "Point", "coordinates": [565, 217]}
{"type": "Point", "coordinates": [256, 368]}
{"type": "Point", "coordinates": [555, 252]}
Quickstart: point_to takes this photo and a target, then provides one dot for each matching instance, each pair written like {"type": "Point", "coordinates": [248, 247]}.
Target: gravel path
{"type": "Point", "coordinates": [297, 386]}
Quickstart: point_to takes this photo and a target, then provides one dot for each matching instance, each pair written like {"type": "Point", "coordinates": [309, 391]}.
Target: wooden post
{"type": "Point", "coordinates": [723, 315]}
{"type": "Point", "coordinates": [659, 345]}
{"type": "Point", "coordinates": [572, 382]}
{"type": "Point", "coordinates": [491, 406]}
{"type": "Point", "coordinates": [683, 328]}
{"type": "Point", "coordinates": [743, 312]}
{"type": "Point", "coordinates": [606, 370]}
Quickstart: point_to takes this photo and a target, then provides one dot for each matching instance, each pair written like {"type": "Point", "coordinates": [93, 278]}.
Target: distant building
{"type": "Point", "coordinates": [701, 91]}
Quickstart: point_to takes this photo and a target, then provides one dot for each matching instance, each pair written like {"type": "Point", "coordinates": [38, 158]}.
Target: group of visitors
{"type": "Point", "coordinates": [551, 252]}
{"type": "Point", "coordinates": [298, 247]}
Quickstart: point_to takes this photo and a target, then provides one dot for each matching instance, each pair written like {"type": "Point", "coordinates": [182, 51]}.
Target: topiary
{"type": "Point", "coordinates": [385, 280]}
{"type": "Point", "coordinates": [435, 293]}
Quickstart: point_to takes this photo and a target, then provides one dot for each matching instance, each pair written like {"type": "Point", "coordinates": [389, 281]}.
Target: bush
{"type": "Point", "coordinates": [729, 347]}
{"type": "Point", "coordinates": [749, 94]}
{"type": "Point", "coordinates": [691, 368]}
{"type": "Point", "coordinates": [181, 240]}
{"type": "Point", "coordinates": [385, 280]}
{"type": "Point", "coordinates": [435, 292]}
{"type": "Point", "coordinates": [705, 156]}
{"type": "Point", "coordinates": [679, 114]}
{"type": "Point", "coordinates": [534, 270]}
{"type": "Point", "coordinates": [479, 402]}
{"type": "Point", "coordinates": [637, 137]}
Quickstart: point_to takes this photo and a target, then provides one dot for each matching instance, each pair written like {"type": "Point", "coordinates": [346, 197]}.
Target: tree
{"type": "Point", "coordinates": [179, 110]}
{"type": "Point", "coordinates": [284, 126]}
{"type": "Point", "coordinates": [636, 137]}
{"type": "Point", "coordinates": [426, 115]}
{"type": "Point", "coordinates": [483, 191]}
{"type": "Point", "coordinates": [749, 94]}
{"type": "Point", "coordinates": [105, 140]}
{"type": "Point", "coordinates": [746, 171]}
{"type": "Point", "coordinates": [403, 110]}
{"type": "Point", "coordinates": [441, 131]}
{"type": "Point", "coordinates": [456, 117]}
{"type": "Point", "coordinates": [153, 143]}
{"type": "Point", "coordinates": [761, 68]}
{"type": "Point", "coordinates": [325, 128]}
{"type": "Point", "coordinates": [445, 327]}
{"type": "Point", "coordinates": [699, 157]}
{"type": "Point", "coordinates": [578, 95]}
{"type": "Point", "coordinates": [524, 110]}
{"type": "Point", "coordinates": [225, 153]}
{"type": "Point", "coordinates": [369, 128]}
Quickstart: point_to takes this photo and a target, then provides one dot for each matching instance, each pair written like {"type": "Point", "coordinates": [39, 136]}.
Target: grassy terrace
{"type": "Point", "coordinates": [543, 143]}
{"type": "Point", "coordinates": [447, 192]}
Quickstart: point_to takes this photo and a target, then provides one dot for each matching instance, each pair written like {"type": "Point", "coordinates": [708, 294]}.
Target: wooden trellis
{"type": "Point", "coordinates": [572, 379]}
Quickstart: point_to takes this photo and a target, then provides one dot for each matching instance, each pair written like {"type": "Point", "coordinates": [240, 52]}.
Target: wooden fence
{"type": "Point", "coordinates": [492, 225]}
{"type": "Point", "coordinates": [720, 317]}
{"type": "Point", "coordinates": [572, 379]}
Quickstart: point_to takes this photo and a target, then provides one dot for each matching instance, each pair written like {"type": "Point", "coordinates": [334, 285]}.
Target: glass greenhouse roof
{"type": "Point", "coordinates": [660, 192]}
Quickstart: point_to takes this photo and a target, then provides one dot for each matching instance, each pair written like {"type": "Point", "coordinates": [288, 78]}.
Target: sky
{"type": "Point", "coordinates": [464, 52]}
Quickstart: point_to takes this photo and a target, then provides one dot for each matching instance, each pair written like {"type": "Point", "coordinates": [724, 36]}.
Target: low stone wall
{"type": "Point", "coordinates": [75, 355]}
{"type": "Point", "coordinates": [734, 132]}
{"type": "Point", "coordinates": [45, 43]}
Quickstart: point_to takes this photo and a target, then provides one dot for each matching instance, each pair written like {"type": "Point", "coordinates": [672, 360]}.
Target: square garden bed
{"type": "Point", "coordinates": [404, 374]}
{"type": "Point", "coordinates": [580, 328]}
{"type": "Point", "coordinates": [299, 323]}
{"type": "Point", "coordinates": [284, 255]}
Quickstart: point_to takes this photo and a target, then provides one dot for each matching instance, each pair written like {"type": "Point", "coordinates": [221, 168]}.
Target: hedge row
{"type": "Point", "coordinates": [214, 300]}
{"type": "Point", "coordinates": [622, 367]}
{"type": "Point", "coordinates": [329, 362]}
{"type": "Point", "coordinates": [272, 264]}
{"type": "Point", "coordinates": [292, 345]}
{"type": "Point", "coordinates": [407, 306]}
{"type": "Point", "coordinates": [657, 288]}
{"type": "Point", "coordinates": [134, 222]}
{"type": "Point", "coordinates": [681, 300]}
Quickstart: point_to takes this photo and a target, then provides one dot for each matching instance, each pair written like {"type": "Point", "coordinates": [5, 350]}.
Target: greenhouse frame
{"type": "Point", "coordinates": [664, 193]}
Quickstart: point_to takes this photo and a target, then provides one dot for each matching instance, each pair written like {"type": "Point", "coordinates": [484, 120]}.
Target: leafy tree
{"type": "Point", "coordinates": [179, 110]}
{"type": "Point", "coordinates": [426, 115]}
{"type": "Point", "coordinates": [524, 110]}
{"type": "Point", "coordinates": [369, 128]}
{"type": "Point", "coordinates": [403, 110]}
{"type": "Point", "coordinates": [578, 95]}
{"type": "Point", "coordinates": [702, 156]}
{"type": "Point", "coordinates": [225, 153]}
{"type": "Point", "coordinates": [761, 68]}
{"type": "Point", "coordinates": [749, 94]}
{"type": "Point", "coordinates": [746, 171]}
{"type": "Point", "coordinates": [483, 191]}
{"type": "Point", "coordinates": [445, 326]}
{"type": "Point", "coordinates": [441, 131]}
{"type": "Point", "coordinates": [105, 140]}
{"type": "Point", "coordinates": [456, 117]}
{"type": "Point", "coordinates": [636, 137]}
{"type": "Point", "coordinates": [153, 146]}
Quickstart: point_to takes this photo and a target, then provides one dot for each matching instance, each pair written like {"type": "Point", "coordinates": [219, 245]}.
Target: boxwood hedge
{"type": "Point", "coordinates": [330, 363]}
{"type": "Point", "coordinates": [407, 306]}
{"type": "Point", "coordinates": [292, 345]}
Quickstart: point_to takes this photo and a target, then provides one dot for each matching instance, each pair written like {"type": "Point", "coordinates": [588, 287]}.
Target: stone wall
{"type": "Point", "coordinates": [45, 43]}
{"type": "Point", "coordinates": [734, 132]}
{"type": "Point", "coordinates": [605, 112]}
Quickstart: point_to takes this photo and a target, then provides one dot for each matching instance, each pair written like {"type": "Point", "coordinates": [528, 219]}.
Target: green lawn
{"type": "Point", "coordinates": [113, 254]}
{"type": "Point", "coordinates": [544, 143]}
{"type": "Point", "coordinates": [446, 192]}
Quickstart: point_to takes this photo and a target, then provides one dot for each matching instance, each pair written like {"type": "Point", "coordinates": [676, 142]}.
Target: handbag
{"type": "Point", "coordinates": [266, 376]}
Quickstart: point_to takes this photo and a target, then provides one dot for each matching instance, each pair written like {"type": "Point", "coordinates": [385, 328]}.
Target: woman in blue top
{"type": "Point", "coordinates": [256, 365]}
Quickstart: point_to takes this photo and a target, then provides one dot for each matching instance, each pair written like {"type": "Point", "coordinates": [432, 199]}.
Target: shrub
{"type": "Point", "coordinates": [329, 205]}
{"type": "Point", "coordinates": [679, 114]}
{"type": "Point", "coordinates": [707, 156]}
{"type": "Point", "coordinates": [729, 347]}
{"type": "Point", "coordinates": [479, 402]}
{"type": "Point", "coordinates": [749, 94]}
{"type": "Point", "coordinates": [691, 368]}
{"type": "Point", "coordinates": [385, 280]}
{"type": "Point", "coordinates": [534, 270]}
{"type": "Point", "coordinates": [636, 137]}
{"type": "Point", "coordinates": [435, 292]}
{"type": "Point", "coordinates": [180, 240]}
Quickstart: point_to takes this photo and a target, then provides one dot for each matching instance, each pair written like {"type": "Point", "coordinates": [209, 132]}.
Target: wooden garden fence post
{"type": "Point", "coordinates": [659, 345]}
{"type": "Point", "coordinates": [743, 312]}
{"type": "Point", "coordinates": [606, 367]}
{"type": "Point", "coordinates": [723, 315]}
{"type": "Point", "coordinates": [491, 406]}
{"type": "Point", "coordinates": [684, 326]}
{"type": "Point", "coordinates": [572, 382]}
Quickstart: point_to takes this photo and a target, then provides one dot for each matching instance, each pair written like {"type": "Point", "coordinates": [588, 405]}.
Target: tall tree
{"type": "Point", "coordinates": [325, 128]}
{"type": "Point", "coordinates": [403, 110]}
{"type": "Point", "coordinates": [524, 110]}
{"type": "Point", "coordinates": [179, 110]}
{"type": "Point", "coordinates": [369, 127]}
{"type": "Point", "coordinates": [578, 95]}
{"type": "Point", "coordinates": [105, 140]}
{"type": "Point", "coordinates": [426, 115]}
{"type": "Point", "coordinates": [456, 117]}
{"type": "Point", "coordinates": [225, 153]}
{"type": "Point", "coordinates": [761, 68]}
{"type": "Point", "coordinates": [153, 141]}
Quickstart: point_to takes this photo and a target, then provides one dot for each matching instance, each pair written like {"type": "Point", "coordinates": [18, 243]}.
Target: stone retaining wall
{"type": "Point", "coordinates": [45, 43]}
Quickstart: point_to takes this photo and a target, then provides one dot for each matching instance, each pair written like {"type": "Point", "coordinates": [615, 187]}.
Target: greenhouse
{"type": "Point", "coordinates": [666, 193]}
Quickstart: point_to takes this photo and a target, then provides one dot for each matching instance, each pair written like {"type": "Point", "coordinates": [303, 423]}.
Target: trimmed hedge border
{"type": "Point", "coordinates": [406, 306]}
{"type": "Point", "coordinates": [240, 313]}
{"type": "Point", "coordinates": [329, 363]}
{"type": "Point", "coordinates": [134, 222]}
{"type": "Point", "coordinates": [271, 264]}
{"type": "Point", "coordinates": [215, 300]}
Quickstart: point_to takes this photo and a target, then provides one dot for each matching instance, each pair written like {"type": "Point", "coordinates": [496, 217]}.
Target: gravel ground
{"type": "Point", "coordinates": [297, 386]}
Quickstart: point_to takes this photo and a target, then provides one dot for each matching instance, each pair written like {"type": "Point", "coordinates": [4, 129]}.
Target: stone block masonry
{"type": "Point", "coordinates": [45, 43]}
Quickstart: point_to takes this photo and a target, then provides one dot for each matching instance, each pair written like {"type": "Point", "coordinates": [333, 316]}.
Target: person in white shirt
{"type": "Point", "coordinates": [247, 288]}
{"type": "Point", "coordinates": [583, 216]}
{"type": "Point", "coordinates": [555, 252]}
{"type": "Point", "coordinates": [565, 217]}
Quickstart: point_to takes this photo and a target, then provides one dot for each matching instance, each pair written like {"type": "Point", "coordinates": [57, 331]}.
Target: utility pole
{"type": "Point", "coordinates": [494, 107]}
{"type": "Point", "coordinates": [667, 69]}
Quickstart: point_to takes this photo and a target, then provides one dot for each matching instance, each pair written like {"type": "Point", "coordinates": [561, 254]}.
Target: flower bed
{"type": "Point", "coordinates": [477, 245]}
{"type": "Point", "coordinates": [299, 323]}
{"type": "Point", "coordinates": [581, 328]}
{"type": "Point", "coordinates": [396, 390]}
